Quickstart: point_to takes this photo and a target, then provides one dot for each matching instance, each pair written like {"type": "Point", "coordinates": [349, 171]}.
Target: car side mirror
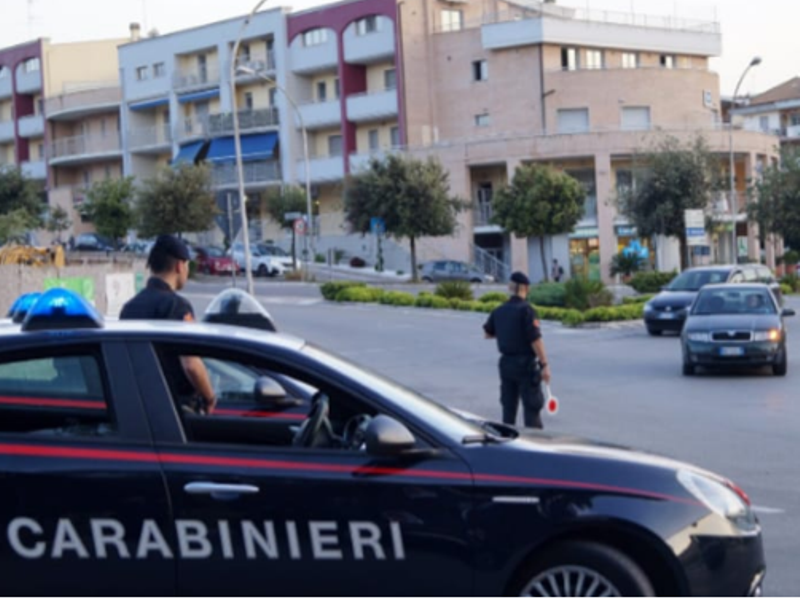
{"type": "Point", "coordinates": [788, 312]}
{"type": "Point", "coordinates": [386, 437]}
{"type": "Point", "coordinates": [270, 394]}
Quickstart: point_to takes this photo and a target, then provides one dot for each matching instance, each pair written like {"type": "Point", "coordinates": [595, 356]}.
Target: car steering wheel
{"type": "Point", "coordinates": [313, 424]}
{"type": "Point", "coordinates": [354, 434]}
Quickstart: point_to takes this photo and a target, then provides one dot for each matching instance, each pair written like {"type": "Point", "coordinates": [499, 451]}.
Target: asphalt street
{"type": "Point", "coordinates": [614, 384]}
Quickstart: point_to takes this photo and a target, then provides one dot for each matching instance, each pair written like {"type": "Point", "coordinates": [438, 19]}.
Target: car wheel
{"type": "Point", "coordinates": [476, 281]}
{"type": "Point", "coordinates": [688, 369]}
{"type": "Point", "coordinates": [262, 270]}
{"type": "Point", "coordinates": [583, 569]}
{"type": "Point", "coordinates": [427, 280]}
{"type": "Point", "coordinates": [654, 332]}
{"type": "Point", "coordinates": [781, 366]}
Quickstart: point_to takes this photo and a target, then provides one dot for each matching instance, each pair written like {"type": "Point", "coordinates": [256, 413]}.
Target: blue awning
{"type": "Point", "coordinates": [147, 105]}
{"type": "Point", "coordinates": [197, 96]}
{"type": "Point", "coordinates": [254, 147]}
{"type": "Point", "coordinates": [189, 152]}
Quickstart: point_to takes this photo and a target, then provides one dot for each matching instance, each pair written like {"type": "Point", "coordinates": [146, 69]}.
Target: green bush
{"type": "Point", "coordinates": [639, 299]}
{"type": "Point", "coordinates": [651, 282]}
{"type": "Point", "coordinates": [359, 294]}
{"type": "Point", "coordinates": [454, 290]}
{"type": "Point", "coordinates": [455, 302]}
{"type": "Point", "coordinates": [487, 307]}
{"type": "Point", "coordinates": [440, 303]}
{"type": "Point", "coordinates": [573, 318]}
{"type": "Point", "coordinates": [494, 296]}
{"type": "Point", "coordinates": [626, 264]}
{"type": "Point", "coordinates": [786, 289]}
{"type": "Point", "coordinates": [791, 257]}
{"type": "Point", "coordinates": [469, 306]}
{"type": "Point", "coordinates": [320, 258]}
{"type": "Point", "coordinates": [192, 269]}
{"type": "Point", "coordinates": [397, 298]}
{"type": "Point", "coordinates": [331, 289]}
{"type": "Point", "coordinates": [583, 294]}
{"type": "Point", "coordinates": [423, 301]}
{"type": "Point", "coordinates": [791, 280]}
{"type": "Point", "coordinates": [548, 294]}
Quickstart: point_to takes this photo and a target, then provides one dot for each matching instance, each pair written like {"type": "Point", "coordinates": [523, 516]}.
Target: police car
{"type": "Point", "coordinates": [109, 487]}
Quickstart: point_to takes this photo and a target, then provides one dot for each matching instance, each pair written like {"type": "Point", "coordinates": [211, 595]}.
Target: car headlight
{"type": "Point", "coordinates": [699, 337]}
{"type": "Point", "coordinates": [727, 501]}
{"type": "Point", "coordinates": [771, 335]}
{"type": "Point", "coordinates": [648, 307]}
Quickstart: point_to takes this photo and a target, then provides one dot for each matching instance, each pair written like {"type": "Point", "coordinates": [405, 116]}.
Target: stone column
{"type": "Point", "coordinates": [606, 213]}
{"type": "Point", "coordinates": [519, 247]}
{"type": "Point", "coordinates": [753, 246]}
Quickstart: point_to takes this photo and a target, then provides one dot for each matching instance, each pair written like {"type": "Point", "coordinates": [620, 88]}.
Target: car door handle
{"type": "Point", "coordinates": [219, 489]}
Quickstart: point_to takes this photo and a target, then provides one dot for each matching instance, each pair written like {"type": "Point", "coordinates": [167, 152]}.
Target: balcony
{"type": "Point", "coordinates": [372, 106]}
{"type": "Point", "coordinates": [6, 131]}
{"type": "Point", "coordinates": [31, 126]}
{"type": "Point", "coordinates": [196, 78]}
{"type": "Point", "coordinates": [792, 132]}
{"type": "Point", "coordinates": [150, 140]}
{"type": "Point", "coordinates": [79, 105]}
{"type": "Point", "coordinates": [321, 115]}
{"type": "Point", "coordinates": [28, 83]}
{"type": "Point", "coordinates": [307, 60]}
{"type": "Point", "coordinates": [35, 170]}
{"type": "Point", "coordinates": [191, 129]}
{"type": "Point", "coordinates": [372, 47]}
{"type": "Point", "coordinates": [256, 174]}
{"type": "Point", "coordinates": [85, 148]}
{"type": "Point", "coordinates": [482, 215]}
{"type": "Point", "coordinates": [256, 64]}
{"type": "Point", "coordinates": [322, 169]}
{"type": "Point", "coordinates": [249, 120]}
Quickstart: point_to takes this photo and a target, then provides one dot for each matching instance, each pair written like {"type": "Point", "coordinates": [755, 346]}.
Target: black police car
{"type": "Point", "coordinates": [111, 488]}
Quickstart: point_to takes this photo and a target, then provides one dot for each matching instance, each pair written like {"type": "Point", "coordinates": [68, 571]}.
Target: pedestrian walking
{"type": "Point", "coordinates": [557, 271]}
{"type": "Point", "coordinates": [523, 360]}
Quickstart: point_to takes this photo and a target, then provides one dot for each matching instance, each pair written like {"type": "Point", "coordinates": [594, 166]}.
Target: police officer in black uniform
{"type": "Point", "coordinates": [169, 264]}
{"type": "Point", "coordinates": [523, 361]}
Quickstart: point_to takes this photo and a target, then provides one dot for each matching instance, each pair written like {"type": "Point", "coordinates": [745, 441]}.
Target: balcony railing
{"type": "Point", "coordinates": [145, 137]}
{"type": "Point", "coordinates": [259, 64]}
{"type": "Point", "coordinates": [196, 77]}
{"type": "Point", "coordinates": [483, 214]}
{"type": "Point", "coordinates": [261, 118]}
{"type": "Point", "coordinates": [83, 101]}
{"type": "Point", "coordinates": [255, 173]}
{"type": "Point", "coordinates": [82, 145]}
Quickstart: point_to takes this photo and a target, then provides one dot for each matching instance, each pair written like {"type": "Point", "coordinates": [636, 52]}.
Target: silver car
{"type": "Point", "coordinates": [452, 270]}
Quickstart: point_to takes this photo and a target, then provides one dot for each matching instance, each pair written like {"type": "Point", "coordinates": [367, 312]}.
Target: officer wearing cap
{"type": "Point", "coordinates": [169, 265]}
{"type": "Point", "coordinates": [523, 361]}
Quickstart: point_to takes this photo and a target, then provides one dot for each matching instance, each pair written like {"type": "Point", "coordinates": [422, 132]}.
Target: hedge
{"type": "Point", "coordinates": [651, 282]}
{"type": "Point", "coordinates": [639, 299]}
{"type": "Point", "coordinates": [494, 296]}
{"type": "Point", "coordinates": [331, 290]}
{"type": "Point", "coordinates": [397, 298]}
{"type": "Point", "coordinates": [359, 294]}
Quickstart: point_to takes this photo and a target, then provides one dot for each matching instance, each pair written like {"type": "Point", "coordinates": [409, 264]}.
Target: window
{"type": "Point", "coordinates": [482, 120]}
{"type": "Point", "coordinates": [103, 127]}
{"type": "Point", "coordinates": [480, 70]}
{"type": "Point", "coordinates": [322, 91]}
{"type": "Point", "coordinates": [374, 144]}
{"type": "Point", "coordinates": [141, 74]}
{"type": "Point", "coordinates": [390, 79]}
{"type": "Point", "coordinates": [40, 151]}
{"type": "Point", "coordinates": [56, 393]}
{"type": "Point", "coordinates": [395, 134]}
{"type": "Point", "coordinates": [244, 53]}
{"type": "Point", "coordinates": [32, 65]}
{"type": "Point", "coordinates": [87, 179]}
{"type": "Point", "coordinates": [273, 96]}
{"type": "Point", "coordinates": [315, 37]}
{"type": "Point", "coordinates": [159, 70]}
{"type": "Point", "coordinates": [248, 100]}
{"type": "Point", "coordinates": [39, 106]}
{"type": "Point", "coordinates": [367, 25]}
{"type": "Point", "coordinates": [336, 88]}
{"type": "Point", "coordinates": [569, 59]}
{"type": "Point", "coordinates": [630, 60]}
{"type": "Point", "coordinates": [575, 120]}
{"type": "Point", "coordinates": [668, 61]}
{"type": "Point", "coordinates": [108, 172]}
{"type": "Point", "coordinates": [636, 118]}
{"type": "Point", "coordinates": [334, 145]}
{"type": "Point", "coordinates": [794, 120]}
{"type": "Point", "coordinates": [202, 68]}
{"type": "Point", "coordinates": [763, 123]}
{"type": "Point", "coordinates": [594, 59]}
{"type": "Point", "coordinates": [452, 20]}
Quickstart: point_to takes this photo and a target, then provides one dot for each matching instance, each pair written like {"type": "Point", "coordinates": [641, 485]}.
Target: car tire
{"type": "Point", "coordinates": [427, 280]}
{"type": "Point", "coordinates": [782, 366]}
{"type": "Point", "coordinates": [565, 563]}
{"type": "Point", "coordinates": [688, 369]}
{"type": "Point", "coordinates": [476, 281]}
{"type": "Point", "coordinates": [262, 270]}
{"type": "Point", "coordinates": [654, 332]}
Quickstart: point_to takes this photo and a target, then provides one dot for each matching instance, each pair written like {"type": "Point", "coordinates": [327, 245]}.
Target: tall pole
{"type": "Point", "coordinates": [248, 265]}
{"type": "Point", "coordinates": [230, 236]}
{"type": "Point", "coordinates": [734, 204]}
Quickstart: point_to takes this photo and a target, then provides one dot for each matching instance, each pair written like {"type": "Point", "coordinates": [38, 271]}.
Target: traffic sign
{"type": "Point", "coordinates": [695, 227]}
{"type": "Point", "coordinates": [299, 226]}
{"type": "Point", "coordinates": [377, 226]}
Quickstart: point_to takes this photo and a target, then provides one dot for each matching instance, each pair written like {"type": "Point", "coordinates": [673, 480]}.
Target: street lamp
{"type": "Point", "coordinates": [248, 264]}
{"type": "Point", "coordinates": [309, 232]}
{"type": "Point", "coordinates": [734, 207]}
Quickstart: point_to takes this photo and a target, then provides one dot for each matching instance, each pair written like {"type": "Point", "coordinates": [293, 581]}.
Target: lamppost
{"type": "Point", "coordinates": [309, 231]}
{"type": "Point", "coordinates": [248, 264]}
{"type": "Point", "coordinates": [734, 207]}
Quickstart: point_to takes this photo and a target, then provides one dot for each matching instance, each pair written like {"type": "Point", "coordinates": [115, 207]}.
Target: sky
{"type": "Point", "coordinates": [765, 28]}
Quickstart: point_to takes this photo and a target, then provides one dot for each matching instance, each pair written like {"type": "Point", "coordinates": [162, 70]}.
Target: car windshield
{"type": "Point", "coordinates": [215, 252]}
{"type": "Point", "coordinates": [272, 250]}
{"type": "Point", "coordinates": [725, 301]}
{"type": "Point", "coordinates": [694, 280]}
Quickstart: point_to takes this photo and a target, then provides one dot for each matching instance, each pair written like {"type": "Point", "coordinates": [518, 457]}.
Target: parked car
{"type": "Point", "coordinates": [94, 242]}
{"type": "Point", "coordinates": [279, 254]}
{"type": "Point", "coordinates": [452, 270]}
{"type": "Point", "coordinates": [667, 311]}
{"type": "Point", "coordinates": [735, 325]}
{"type": "Point", "coordinates": [261, 265]}
{"type": "Point", "coordinates": [213, 261]}
{"type": "Point", "coordinates": [139, 248]}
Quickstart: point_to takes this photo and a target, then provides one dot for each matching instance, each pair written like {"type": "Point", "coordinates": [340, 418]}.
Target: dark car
{"type": "Point", "coordinates": [735, 326]}
{"type": "Point", "coordinates": [94, 242]}
{"type": "Point", "coordinates": [112, 486]}
{"type": "Point", "coordinates": [667, 311]}
{"type": "Point", "coordinates": [213, 260]}
{"type": "Point", "coordinates": [452, 270]}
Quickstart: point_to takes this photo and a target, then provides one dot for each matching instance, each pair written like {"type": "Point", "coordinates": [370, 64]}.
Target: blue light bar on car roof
{"type": "Point", "coordinates": [21, 307]}
{"type": "Point", "coordinates": [62, 309]}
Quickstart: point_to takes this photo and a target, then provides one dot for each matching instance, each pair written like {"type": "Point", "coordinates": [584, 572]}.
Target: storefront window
{"type": "Point", "coordinates": [585, 258]}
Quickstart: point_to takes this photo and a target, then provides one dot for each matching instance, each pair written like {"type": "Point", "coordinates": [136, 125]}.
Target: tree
{"type": "Point", "coordinates": [177, 200]}
{"type": "Point", "coordinates": [283, 201]}
{"type": "Point", "coordinates": [676, 178]}
{"type": "Point", "coordinates": [21, 204]}
{"type": "Point", "coordinates": [777, 209]}
{"type": "Point", "coordinates": [58, 221]}
{"type": "Point", "coordinates": [109, 205]}
{"type": "Point", "coordinates": [411, 196]}
{"type": "Point", "coordinates": [541, 201]}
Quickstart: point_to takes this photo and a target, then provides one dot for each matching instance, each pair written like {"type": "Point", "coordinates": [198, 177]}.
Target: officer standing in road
{"type": "Point", "coordinates": [169, 264]}
{"type": "Point", "coordinates": [515, 326]}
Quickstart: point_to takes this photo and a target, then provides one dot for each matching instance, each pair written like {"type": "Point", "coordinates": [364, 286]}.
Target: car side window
{"type": "Point", "coordinates": [764, 275]}
{"type": "Point", "coordinates": [53, 393]}
{"type": "Point", "coordinates": [737, 278]}
{"type": "Point", "coordinates": [440, 267]}
{"type": "Point", "coordinates": [749, 275]}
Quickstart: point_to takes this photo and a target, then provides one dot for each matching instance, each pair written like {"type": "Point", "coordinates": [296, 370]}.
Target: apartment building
{"type": "Point", "coordinates": [776, 111]}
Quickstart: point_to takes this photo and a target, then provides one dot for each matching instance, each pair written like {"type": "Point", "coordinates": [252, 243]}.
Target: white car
{"type": "Point", "coordinates": [277, 253]}
{"type": "Point", "coordinates": [260, 264]}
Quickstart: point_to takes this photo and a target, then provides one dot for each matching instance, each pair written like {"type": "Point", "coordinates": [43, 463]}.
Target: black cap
{"type": "Point", "coordinates": [520, 279]}
{"type": "Point", "coordinates": [171, 246]}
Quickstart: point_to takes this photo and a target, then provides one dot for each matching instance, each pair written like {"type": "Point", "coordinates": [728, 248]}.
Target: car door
{"type": "Point", "coordinates": [256, 515]}
{"type": "Point", "coordinates": [84, 505]}
{"type": "Point", "coordinates": [440, 272]}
